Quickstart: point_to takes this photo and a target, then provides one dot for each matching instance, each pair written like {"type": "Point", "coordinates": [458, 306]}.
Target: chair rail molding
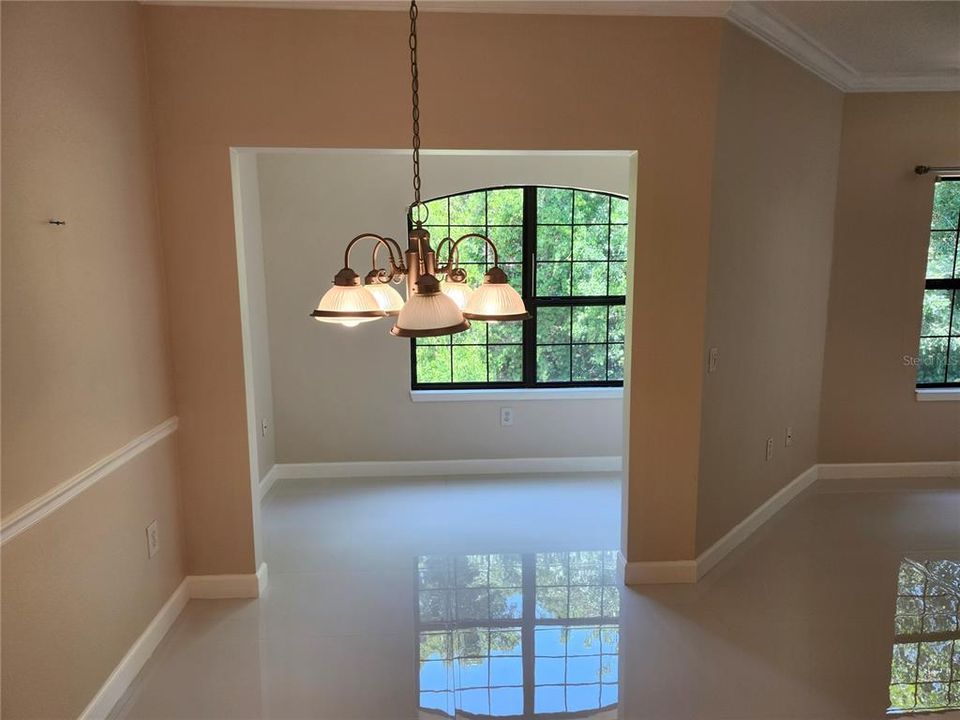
{"type": "Point", "coordinates": [37, 509]}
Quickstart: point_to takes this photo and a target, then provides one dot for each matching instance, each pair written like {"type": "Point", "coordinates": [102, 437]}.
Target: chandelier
{"type": "Point", "coordinates": [433, 306]}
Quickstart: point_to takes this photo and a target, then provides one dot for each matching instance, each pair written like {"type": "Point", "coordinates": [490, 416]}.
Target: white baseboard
{"type": "Point", "coordinates": [423, 468]}
{"type": "Point", "coordinates": [689, 571]}
{"type": "Point", "coordinates": [746, 527]}
{"type": "Point", "coordinates": [213, 587]}
{"type": "Point", "coordinates": [657, 572]}
{"type": "Point", "coordinates": [844, 471]}
{"type": "Point", "coordinates": [268, 481]}
{"type": "Point", "coordinates": [192, 586]}
{"type": "Point", "coordinates": [138, 654]}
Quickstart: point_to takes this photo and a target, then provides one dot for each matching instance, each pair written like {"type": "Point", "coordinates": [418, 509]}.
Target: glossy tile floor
{"type": "Point", "coordinates": [497, 597]}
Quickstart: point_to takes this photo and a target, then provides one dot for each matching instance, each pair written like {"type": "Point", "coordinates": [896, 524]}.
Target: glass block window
{"type": "Point", "coordinates": [939, 359]}
{"type": "Point", "coordinates": [925, 668]}
{"type": "Point", "coordinates": [565, 251]}
{"type": "Point", "coordinates": [518, 635]}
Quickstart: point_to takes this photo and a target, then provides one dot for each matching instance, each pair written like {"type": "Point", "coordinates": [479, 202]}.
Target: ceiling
{"type": "Point", "coordinates": [864, 46]}
{"type": "Point", "coordinates": [868, 45]}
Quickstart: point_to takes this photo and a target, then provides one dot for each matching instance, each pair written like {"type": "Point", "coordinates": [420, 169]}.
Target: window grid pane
{"type": "Point", "coordinates": [938, 361]}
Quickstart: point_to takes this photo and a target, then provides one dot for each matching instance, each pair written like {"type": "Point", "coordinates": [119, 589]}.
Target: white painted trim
{"type": "Point", "coordinates": [763, 22]}
{"type": "Point", "coordinates": [138, 654]}
{"type": "Point", "coordinates": [661, 572]}
{"type": "Point", "coordinates": [210, 587]}
{"type": "Point", "coordinates": [789, 40]}
{"type": "Point", "coordinates": [746, 527]}
{"type": "Point", "coordinates": [422, 468]}
{"type": "Point", "coordinates": [268, 481]}
{"type": "Point", "coordinates": [938, 395]}
{"type": "Point", "coordinates": [689, 571]}
{"type": "Point", "coordinates": [842, 471]}
{"type": "Point", "coordinates": [37, 509]}
{"type": "Point", "coordinates": [654, 8]}
{"type": "Point", "coordinates": [587, 393]}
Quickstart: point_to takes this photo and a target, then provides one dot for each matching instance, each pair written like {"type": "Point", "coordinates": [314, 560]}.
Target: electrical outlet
{"type": "Point", "coordinates": [264, 426]}
{"type": "Point", "coordinates": [506, 416]}
{"type": "Point", "coordinates": [153, 539]}
{"type": "Point", "coordinates": [788, 437]}
{"type": "Point", "coordinates": [769, 448]}
{"type": "Point", "coordinates": [713, 360]}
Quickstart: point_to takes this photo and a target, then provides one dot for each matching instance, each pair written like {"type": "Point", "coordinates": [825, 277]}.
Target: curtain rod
{"type": "Point", "coordinates": [924, 169]}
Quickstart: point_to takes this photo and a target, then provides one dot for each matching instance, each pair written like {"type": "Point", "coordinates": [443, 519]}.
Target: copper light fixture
{"type": "Point", "coordinates": [433, 307]}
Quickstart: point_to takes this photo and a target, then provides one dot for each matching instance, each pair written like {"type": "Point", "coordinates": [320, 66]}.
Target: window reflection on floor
{"type": "Point", "coordinates": [925, 670]}
{"type": "Point", "coordinates": [518, 635]}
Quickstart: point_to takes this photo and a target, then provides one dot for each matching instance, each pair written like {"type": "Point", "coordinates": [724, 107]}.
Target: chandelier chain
{"type": "Point", "coordinates": [415, 87]}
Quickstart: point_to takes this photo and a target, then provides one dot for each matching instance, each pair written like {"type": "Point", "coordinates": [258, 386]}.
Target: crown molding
{"type": "Point", "coordinates": [648, 8]}
{"type": "Point", "coordinates": [806, 51]}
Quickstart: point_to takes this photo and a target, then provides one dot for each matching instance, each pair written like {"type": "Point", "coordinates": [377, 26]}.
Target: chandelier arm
{"type": "Point", "coordinates": [455, 253]}
{"type": "Point", "coordinates": [452, 258]}
{"type": "Point", "coordinates": [380, 240]}
{"type": "Point", "coordinates": [395, 267]}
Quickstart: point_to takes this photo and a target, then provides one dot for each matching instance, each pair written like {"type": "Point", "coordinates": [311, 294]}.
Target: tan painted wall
{"type": "Point", "coordinates": [78, 588]}
{"type": "Point", "coordinates": [775, 172]}
{"type": "Point", "coordinates": [240, 77]}
{"type": "Point", "coordinates": [85, 361]}
{"type": "Point", "coordinates": [869, 410]}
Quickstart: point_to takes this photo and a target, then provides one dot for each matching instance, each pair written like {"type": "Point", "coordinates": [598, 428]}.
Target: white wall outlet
{"type": "Point", "coordinates": [788, 437]}
{"type": "Point", "coordinates": [713, 360]}
{"type": "Point", "coordinates": [264, 426]}
{"type": "Point", "coordinates": [506, 416]}
{"type": "Point", "coordinates": [153, 539]}
{"type": "Point", "coordinates": [769, 448]}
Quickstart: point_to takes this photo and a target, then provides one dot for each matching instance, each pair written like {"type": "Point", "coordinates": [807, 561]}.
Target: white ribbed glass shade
{"type": "Point", "coordinates": [389, 300]}
{"type": "Point", "coordinates": [347, 305]}
{"type": "Point", "coordinates": [459, 292]}
{"type": "Point", "coordinates": [495, 301]}
{"type": "Point", "coordinates": [429, 315]}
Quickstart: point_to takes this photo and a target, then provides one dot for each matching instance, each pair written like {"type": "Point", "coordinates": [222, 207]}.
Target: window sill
{"type": "Point", "coordinates": [588, 393]}
{"type": "Point", "coordinates": [938, 394]}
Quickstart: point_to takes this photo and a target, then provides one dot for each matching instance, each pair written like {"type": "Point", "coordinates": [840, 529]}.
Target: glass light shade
{"type": "Point", "coordinates": [347, 305]}
{"type": "Point", "coordinates": [388, 299]}
{"type": "Point", "coordinates": [427, 315]}
{"type": "Point", "coordinates": [459, 292]}
{"type": "Point", "coordinates": [495, 301]}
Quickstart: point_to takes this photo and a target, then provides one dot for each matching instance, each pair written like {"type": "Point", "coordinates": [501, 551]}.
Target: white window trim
{"type": "Point", "coordinates": [497, 394]}
{"type": "Point", "coordinates": [938, 394]}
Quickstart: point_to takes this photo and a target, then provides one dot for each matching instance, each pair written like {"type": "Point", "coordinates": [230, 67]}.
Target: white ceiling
{"type": "Point", "coordinates": [864, 46]}
{"type": "Point", "coordinates": [868, 45]}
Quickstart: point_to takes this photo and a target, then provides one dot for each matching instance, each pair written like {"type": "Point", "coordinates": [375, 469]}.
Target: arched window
{"type": "Point", "coordinates": [565, 251]}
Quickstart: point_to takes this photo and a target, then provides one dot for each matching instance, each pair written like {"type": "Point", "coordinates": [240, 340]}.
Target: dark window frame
{"type": "Point", "coordinates": [533, 303]}
{"type": "Point", "coordinates": [952, 284]}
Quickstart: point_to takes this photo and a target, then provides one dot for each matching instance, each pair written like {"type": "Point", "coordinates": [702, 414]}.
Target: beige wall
{"type": "Point", "coordinates": [774, 184]}
{"type": "Point", "coordinates": [869, 410]}
{"type": "Point", "coordinates": [331, 384]}
{"type": "Point", "coordinates": [85, 364]}
{"type": "Point", "coordinates": [78, 588]}
{"type": "Point", "coordinates": [244, 77]}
